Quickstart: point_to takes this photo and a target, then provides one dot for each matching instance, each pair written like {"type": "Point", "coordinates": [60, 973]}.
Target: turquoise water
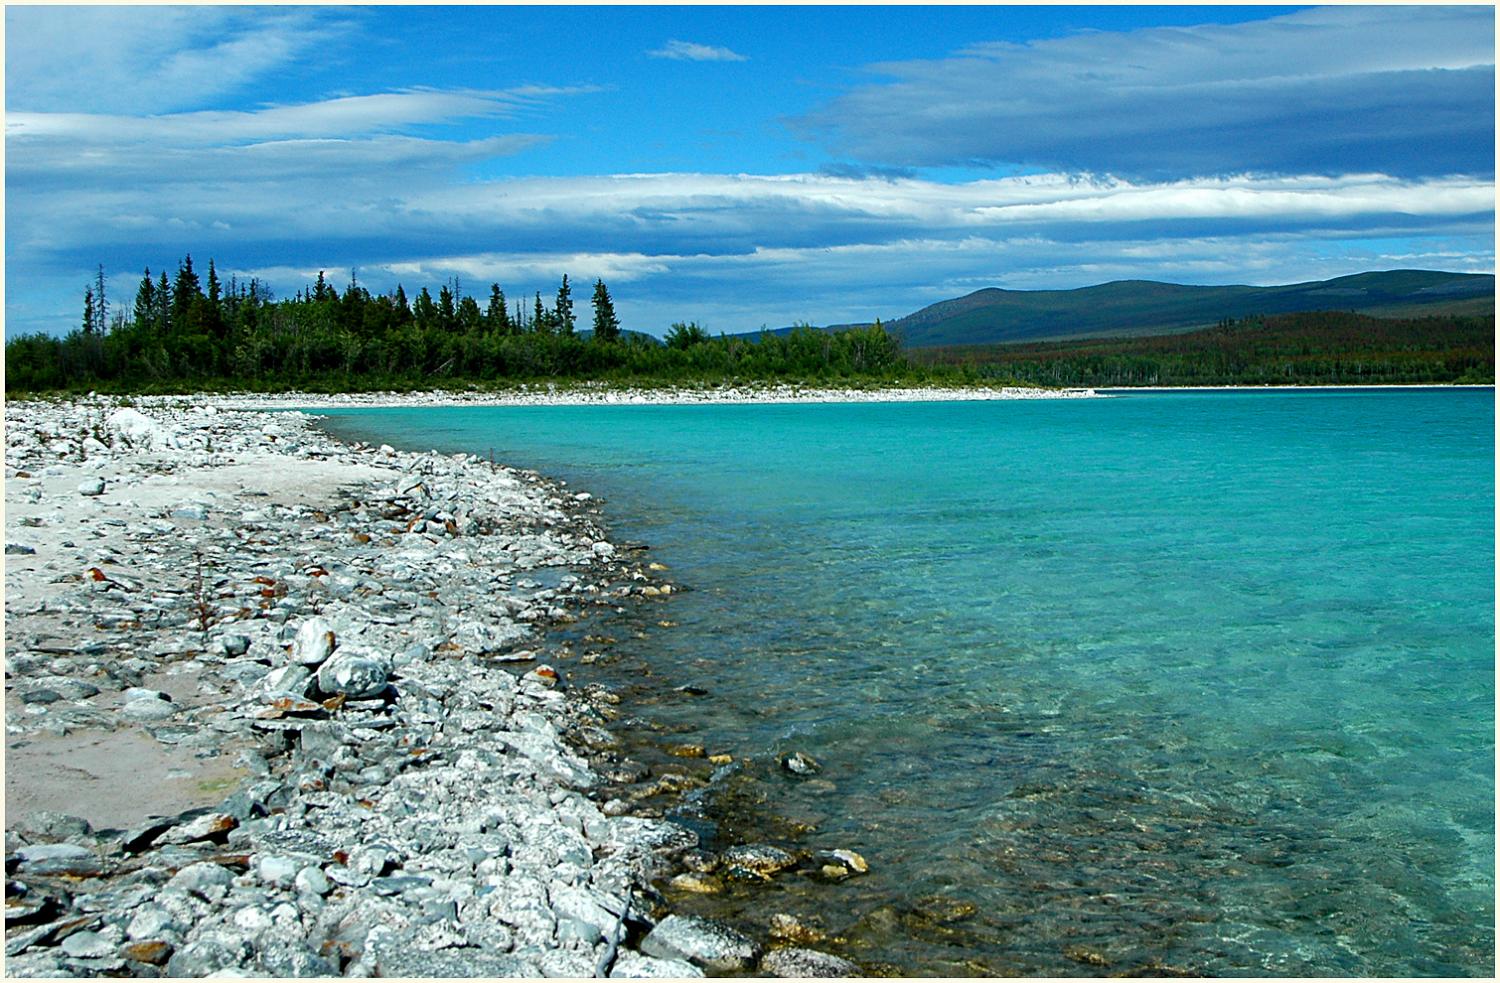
{"type": "Point", "coordinates": [1202, 681]}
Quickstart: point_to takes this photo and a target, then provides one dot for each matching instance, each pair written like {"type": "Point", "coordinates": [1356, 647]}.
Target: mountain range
{"type": "Point", "coordinates": [1140, 307]}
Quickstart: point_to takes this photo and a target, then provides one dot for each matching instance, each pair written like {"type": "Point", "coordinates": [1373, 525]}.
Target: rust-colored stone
{"type": "Point", "coordinates": [153, 951]}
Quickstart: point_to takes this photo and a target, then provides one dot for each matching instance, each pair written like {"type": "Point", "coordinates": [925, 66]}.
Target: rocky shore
{"type": "Point", "coordinates": [280, 706]}
{"type": "Point", "coordinates": [608, 394]}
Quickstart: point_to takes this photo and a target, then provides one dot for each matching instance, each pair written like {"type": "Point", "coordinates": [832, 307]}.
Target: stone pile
{"type": "Point", "coordinates": [352, 633]}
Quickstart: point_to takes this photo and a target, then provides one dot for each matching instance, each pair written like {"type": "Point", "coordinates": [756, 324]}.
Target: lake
{"type": "Point", "coordinates": [1194, 681]}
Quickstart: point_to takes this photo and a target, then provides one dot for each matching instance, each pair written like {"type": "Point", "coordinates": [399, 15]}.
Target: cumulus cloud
{"type": "Point", "coordinates": [689, 51]}
{"type": "Point", "coordinates": [1401, 90]}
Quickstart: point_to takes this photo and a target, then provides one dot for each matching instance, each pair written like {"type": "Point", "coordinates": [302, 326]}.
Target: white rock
{"type": "Point", "coordinates": [91, 487]}
{"type": "Point", "coordinates": [312, 880]}
{"type": "Point", "coordinates": [355, 674]}
{"type": "Point", "coordinates": [314, 643]}
{"type": "Point", "coordinates": [279, 871]}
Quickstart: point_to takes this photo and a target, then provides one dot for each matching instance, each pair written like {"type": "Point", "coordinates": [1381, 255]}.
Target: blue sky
{"type": "Point", "coordinates": [742, 166]}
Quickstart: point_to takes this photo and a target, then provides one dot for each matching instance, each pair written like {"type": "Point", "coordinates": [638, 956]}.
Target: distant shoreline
{"type": "Point", "coordinates": [603, 395]}
{"type": "Point", "coordinates": [1377, 385]}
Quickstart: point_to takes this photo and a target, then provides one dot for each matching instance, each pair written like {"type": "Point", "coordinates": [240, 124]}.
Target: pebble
{"type": "Point", "coordinates": [409, 806]}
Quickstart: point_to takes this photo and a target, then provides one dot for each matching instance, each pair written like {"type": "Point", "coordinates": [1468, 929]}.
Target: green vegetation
{"type": "Point", "coordinates": [1143, 307]}
{"type": "Point", "coordinates": [184, 335]}
{"type": "Point", "coordinates": [1313, 348]}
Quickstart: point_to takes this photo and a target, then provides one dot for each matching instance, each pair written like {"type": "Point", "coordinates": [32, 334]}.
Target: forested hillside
{"type": "Point", "coordinates": [1144, 307]}
{"type": "Point", "coordinates": [1313, 348]}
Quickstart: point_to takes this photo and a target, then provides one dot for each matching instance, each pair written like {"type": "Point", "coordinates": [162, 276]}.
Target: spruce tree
{"type": "Point", "coordinates": [145, 301]}
{"type": "Point", "coordinates": [447, 318]}
{"type": "Point", "coordinates": [496, 318]}
{"type": "Point", "coordinates": [540, 321]}
{"type": "Point", "coordinates": [606, 324]}
{"type": "Point", "coordinates": [163, 314]}
{"type": "Point", "coordinates": [184, 293]}
{"type": "Point", "coordinates": [101, 306]}
{"type": "Point", "coordinates": [88, 310]}
{"type": "Point", "coordinates": [563, 318]}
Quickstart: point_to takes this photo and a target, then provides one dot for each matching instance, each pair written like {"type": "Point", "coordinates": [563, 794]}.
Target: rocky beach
{"type": "Point", "coordinates": [282, 706]}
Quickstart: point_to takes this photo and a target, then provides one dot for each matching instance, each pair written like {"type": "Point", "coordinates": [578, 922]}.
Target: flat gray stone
{"type": "Point", "coordinates": [702, 942]}
{"type": "Point", "coordinates": [795, 963]}
{"type": "Point", "coordinates": [631, 965]}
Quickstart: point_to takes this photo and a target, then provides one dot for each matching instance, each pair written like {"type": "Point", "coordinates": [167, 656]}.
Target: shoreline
{"type": "Point", "coordinates": [597, 394]}
{"type": "Point", "coordinates": [346, 648]}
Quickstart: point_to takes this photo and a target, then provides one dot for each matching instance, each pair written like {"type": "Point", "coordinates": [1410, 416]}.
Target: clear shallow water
{"type": "Point", "coordinates": [1202, 681]}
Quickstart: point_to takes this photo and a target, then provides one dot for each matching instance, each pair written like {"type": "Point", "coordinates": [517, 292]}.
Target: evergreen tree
{"type": "Point", "coordinates": [213, 283]}
{"type": "Point", "coordinates": [446, 316]}
{"type": "Point", "coordinates": [145, 301]}
{"type": "Point", "coordinates": [88, 310]}
{"type": "Point", "coordinates": [606, 324]}
{"type": "Point", "coordinates": [563, 318]}
{"type": "Point", "coordinates": [320, 289]}
{"type": "Point", "coordinates": [540, 322]}
{"type": "Point", "coordinates": [496, 318]}
{"type": "Point", "coordinates": [101, 306]}
{"type": "Point", "coordinates": [163, 318]}
{"type": "Point", "coordinates": [401, 304]}
{"type": "Point", "coordinates": [469, 317]}
{"type": "Point", "coordinates": [424, 311]}
{"type": "Point", "coordinates": [184, 292]}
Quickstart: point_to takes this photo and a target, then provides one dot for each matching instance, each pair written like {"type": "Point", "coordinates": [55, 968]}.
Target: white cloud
{"type": "Point", "coordinates": [689, 51]}
{"type": "Point", "coordinates": [152, 59]}
{"type": "Point", "coordinates": [1402, 90]}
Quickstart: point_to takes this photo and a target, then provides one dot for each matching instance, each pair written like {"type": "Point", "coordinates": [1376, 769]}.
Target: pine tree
{"type": "Point", "coordinates": [563, 312]}
{"type": "Point", "coordinates": [88, 310]}
{"type": "Point", "coordinates": [606, 324]}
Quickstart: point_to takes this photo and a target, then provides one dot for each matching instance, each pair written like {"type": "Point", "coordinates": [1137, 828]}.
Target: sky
{"type": "Point", "coordinates": [741, 166]}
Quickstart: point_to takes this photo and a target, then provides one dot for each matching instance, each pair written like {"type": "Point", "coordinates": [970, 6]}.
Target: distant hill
{"type": "Point", "coordinates": [1133, 307]}
{"type": "Point", "coordinates": [1305, 348]}
{"type": "Point", "coordinates": [1147, 307]}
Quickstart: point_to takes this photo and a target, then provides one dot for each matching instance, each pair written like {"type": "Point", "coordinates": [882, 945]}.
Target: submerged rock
{"type": "Point", "coordinates": [798, 763]}
{"type": "Point", "coordinates": [794, 963]}
{"type": "Point", "coordinates": [760, 859]}
{"type": "Point", "coordinates": [705, 943]}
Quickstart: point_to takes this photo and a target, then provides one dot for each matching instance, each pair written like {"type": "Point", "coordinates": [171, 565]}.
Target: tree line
{"type": "Point", "coordinates": [1308, 348]}
{"type": "Point", "coordinates": [186, 332]}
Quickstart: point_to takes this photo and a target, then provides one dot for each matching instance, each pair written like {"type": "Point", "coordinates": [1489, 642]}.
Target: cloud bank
{"type": "Point", "coordinates": [399, 183]}
{"type": "Point", "coordinates": [1407, 91]}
